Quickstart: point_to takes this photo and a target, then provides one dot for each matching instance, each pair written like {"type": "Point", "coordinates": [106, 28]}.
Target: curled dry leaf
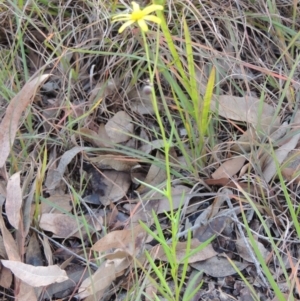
{"type": "Point", "coordinates": [211, 211]}
{"type": "Point", "coordinates": [116, 185]}
{"type": "Point", "coordinates": [120, 127]}
{"type": "Point", "coordinates": [140, 101]}
{"type": "Point", "coordinates": [3, 254]}
{"type": "Point", "coordinates": [121, 260]}
{"type": "Point", "coordinates": [103, 89]}
{"type": "Point", "coordinates": [24, 292]}
{"type": "Point", "coordinates": [14, 200]}
{"type": "Point", "coordinates": [36, 276]}
{"type": "Point", "coordinates": [218, 266]}
{"type": "Point", "coordinates": [156, 144]}
{"type": "Point", "coordinates": [154, 177]}
{"type": "Point", "coordinates": [229, 168]}
{"type": "Point", "coordinates": [64, 226]}
{"type": "Point", "coordinates": [5, 277]}
{"type": "Point", "coordinates": [47, 250]}
{"type": "Point", "coordinates": [214, 227]}
{"type": "Point", "coordinates": [33, 252]}
{"type": "Point", "coordinates": [116, 162]}
{"type": "Point", "coordinates": [291, 166]}
{"type": "Point", "coordinates": [76, 275]}
{"type": "Point", "coordinates": [98, 282]}
{"type": "Point", "coordinates": [119, 239]}
{"type": "Point", "coordinates": [54, 176]}
{"type": "Point", "coordinates": [99, 138]}
{"type": "Point", "coordinates": [56, 204]}
{"type": "Point", "coordinates": [245, 253]}
{"type": "Point", "coordinates": [253, 135]}
{"type": "Point", "coordinates": [9, 242]}
{"type": "Point", "coordinates": [181, 252]}
{"type": "Point", "coordinates": [247, 108]}
{"type": "Point", "coordinates": [158, 203]}
{"type": "Point", "coordinates": [286, 296]}
{"type": "Point", "coordinates": [150, 290]}
{"type": "Point", "coordinates": [282, 152]}
{"type": "Point", "coordinates": [10, 122]}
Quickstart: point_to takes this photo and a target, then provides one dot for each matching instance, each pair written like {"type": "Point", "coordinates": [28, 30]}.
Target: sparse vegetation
{"type": "Point", "coordinates": [150, 163]}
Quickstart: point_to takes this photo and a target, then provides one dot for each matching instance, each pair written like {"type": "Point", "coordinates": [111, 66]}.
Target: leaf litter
{"type": "Point", "coordinates": [101, 151]}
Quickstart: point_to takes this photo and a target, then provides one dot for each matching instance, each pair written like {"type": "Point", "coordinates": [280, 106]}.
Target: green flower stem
{"type": "Point", "coordinates": [167, 143]}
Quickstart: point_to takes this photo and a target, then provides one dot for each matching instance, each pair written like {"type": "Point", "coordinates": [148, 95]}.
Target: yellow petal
{"type": "Point", "coordinates": [150, 9]}
{"type": "Point", "coordinates": [120, 18]}
{"type": "Point", "coordinates": [153, 19]}
{"type": "Point", "coordinates": [126, 24]}
{"type": "Point", "coordinates": [143, 25]}
{"type": "Point", "coordinates": [135, 6]}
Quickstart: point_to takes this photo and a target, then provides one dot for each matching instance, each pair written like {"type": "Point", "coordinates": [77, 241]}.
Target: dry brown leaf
{"type": "Point", "coordinates": [10, 122]}
{"type": "Point", "coordinates": [140, 102]}
{"type": "Point", "coordinates": [120, 127]}
{"type": "Point", "coordinates": [56, 204]}
{"type": "Point", "coordinates": [218, 266]}
{"type": "Point", "coordinates": [243, 109]}
{"type": "Point", "coordinates": [54, 176]}
{"type": "Point", "coordinates": [5, 277]}
{"type": "Point", "coordinates": [30, 181]}
{"type": "Point", "coordinates": [246, 295]}
{"type": "Point", "coordinates": [116, 162]}
{"type": "Point", "coordinates": [116, 185]}
{"type": "Point", "coordinates": [281, 153]}
{"type": "Point", "coordinates": [214, 227]}
{"type": "Point", "coordinates": [33, 252]}
{"type": "Point", "coordinates": [156, 144]}
{"type": "Point", "coordinates": [103, 89]}
{"type": "Point", "coordinates": [47, 250]}
{"type": "Point", "coordinates": [3, 254]}
{"type": "Point", "coordinates": [181, 252]}
{"type": "Point", "coordinates": [158, 203]}
{"type": "Point", "coordinates": [180, 196]}
{"type": "Point", "coordinates": [13, 202]}
{"type": "Point", "coordinates": [245, 142]}
{"type": "Point", "coordinates": [155, 176]}
{"type": "Point", "coordinates": [150, 290]}
{"type": "Point", "coordinates": [36, 276]}
{"type": "Point", "coordinates": [64, 226]}
{"type": "Point", "coordinates": [98, 282]}
{"type": "Point", "coordinates": [121, 260]}
{"type": "Point", "coordinates": [9, 242]}
{"type": "Point", "coordinates": [76, 275]}
{"type": "Point", "coordinates": [24, 292]}
{"type": "Point", "coordinates": [100, 139]}
{"type": "Point", "coordinates": [119, 239]}
{"type": "Point", "coordinates": [252, 135]}
{"type": "Point", "coordinates": [211, 211]}
{"type": "Point", "coordinates": [248, 187]}
{"type": "Point", "coordinates": [103, 139]}
{"type": "Point", "coordinates": [286, 298]}
{"type": "Point", "coordinates": [229, 168]}
{"type": "Point", "coordinates": [61, 225]}
{"type": "Point", "coordinates": [291, 174]}
{"type": "Point", "coordinates": [243, 251]}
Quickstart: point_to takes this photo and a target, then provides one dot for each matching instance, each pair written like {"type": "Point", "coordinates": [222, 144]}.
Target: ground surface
{"type": "Point", "coordinates": [112, 179]}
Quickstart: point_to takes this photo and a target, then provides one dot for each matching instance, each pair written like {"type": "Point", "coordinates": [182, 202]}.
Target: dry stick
{"type": "Point", "coordinates": [250, 251]}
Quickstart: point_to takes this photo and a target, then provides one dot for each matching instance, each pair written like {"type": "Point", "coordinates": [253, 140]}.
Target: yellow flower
{"type": "Point", "coordinates": [139, 16]}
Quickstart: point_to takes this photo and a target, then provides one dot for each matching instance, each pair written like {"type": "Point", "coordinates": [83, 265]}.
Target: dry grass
{"type": "Point", "coordinates": [96, 73]}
